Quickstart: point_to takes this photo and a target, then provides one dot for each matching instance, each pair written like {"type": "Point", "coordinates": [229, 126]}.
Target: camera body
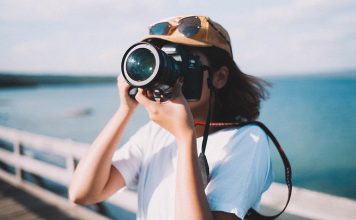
{"type": "Point", "coordinates": [147, 66]}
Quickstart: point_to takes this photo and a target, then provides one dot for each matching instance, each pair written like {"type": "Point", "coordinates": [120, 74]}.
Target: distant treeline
{"type": "Point", "coordinates": [12, 80]}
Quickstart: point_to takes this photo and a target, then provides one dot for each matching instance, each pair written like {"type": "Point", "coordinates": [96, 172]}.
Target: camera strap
{"type": "Point", "coordinates": [204, 166]}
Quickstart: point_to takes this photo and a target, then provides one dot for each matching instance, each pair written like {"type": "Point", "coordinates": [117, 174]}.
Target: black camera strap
{"type": "Point", "coordinates": [204, 166]}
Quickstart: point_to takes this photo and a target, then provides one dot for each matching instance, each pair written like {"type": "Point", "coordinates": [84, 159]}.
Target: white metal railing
{"type": "Point", "coordinates": [25, 162]}
{"type": "Point", "coordinates": [304, 203]}
{"type": "Point", "coordinates": [68, 149]}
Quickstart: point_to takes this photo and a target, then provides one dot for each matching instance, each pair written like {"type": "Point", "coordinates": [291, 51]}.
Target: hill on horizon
{"type": "Point", "coordinates": [20, 79]}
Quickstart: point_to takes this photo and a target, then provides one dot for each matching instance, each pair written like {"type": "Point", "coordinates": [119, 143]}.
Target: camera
{"type": "Point", "coordinates": [147, 66]}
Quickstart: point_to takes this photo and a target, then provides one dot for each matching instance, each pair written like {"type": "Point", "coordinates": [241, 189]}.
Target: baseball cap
{"type": "Point", "coordinates": [191, 30]}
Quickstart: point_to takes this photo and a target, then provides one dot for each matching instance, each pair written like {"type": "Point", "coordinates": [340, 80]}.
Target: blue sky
{"type": "Point", "coordinates": [90, 36]}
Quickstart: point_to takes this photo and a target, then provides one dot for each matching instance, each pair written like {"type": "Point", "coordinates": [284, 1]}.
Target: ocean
{"type": "Point", "coordinates": [313, 117]}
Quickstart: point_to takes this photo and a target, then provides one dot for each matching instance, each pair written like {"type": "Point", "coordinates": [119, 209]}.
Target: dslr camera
{"type": "Point", "coordinates": [156, 69]}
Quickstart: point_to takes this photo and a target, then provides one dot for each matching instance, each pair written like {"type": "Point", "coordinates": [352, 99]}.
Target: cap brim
{"type": "Point", "coordinates": [179, 40]}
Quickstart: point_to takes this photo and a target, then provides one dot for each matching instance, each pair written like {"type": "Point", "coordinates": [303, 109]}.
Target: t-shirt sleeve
{"type": "Point", "coordinates": [128, 158]}
{"type": "Point", "coordinates": [238, 181]}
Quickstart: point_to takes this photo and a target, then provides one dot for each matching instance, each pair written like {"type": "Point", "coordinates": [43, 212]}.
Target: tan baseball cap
{"type": "Point", "coordinates": [206, 32]}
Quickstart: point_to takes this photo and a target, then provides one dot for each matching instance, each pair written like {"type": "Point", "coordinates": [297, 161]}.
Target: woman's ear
{"type": "Point", "coordinates": [220, 77]}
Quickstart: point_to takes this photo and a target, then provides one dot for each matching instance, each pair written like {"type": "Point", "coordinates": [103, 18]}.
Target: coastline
{"type": "Point", "coordinates": [19, 80]}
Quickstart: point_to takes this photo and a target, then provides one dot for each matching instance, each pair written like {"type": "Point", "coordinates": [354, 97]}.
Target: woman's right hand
{"type": "Point", "coordinates": [126, 102]}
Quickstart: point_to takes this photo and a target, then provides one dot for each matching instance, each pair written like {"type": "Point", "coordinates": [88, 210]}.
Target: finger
{"type": "Point", "coordinates": [120, 78]}
{"type": "Point", "coordinates": [121, 82]}
{"type": "Point", "coordinates": [141, 97]}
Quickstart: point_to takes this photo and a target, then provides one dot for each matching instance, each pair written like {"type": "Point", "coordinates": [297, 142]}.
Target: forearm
{"type": "Point", "coordinates": [191, 201]}
{"type": "Point", "coordinates": [93, 170]}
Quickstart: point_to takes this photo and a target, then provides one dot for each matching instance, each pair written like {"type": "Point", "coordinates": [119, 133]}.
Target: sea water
{"type": "Point", "coordinates": [313, 117]}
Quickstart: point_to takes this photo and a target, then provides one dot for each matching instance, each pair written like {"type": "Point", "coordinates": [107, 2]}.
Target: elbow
{"type": "Point", "coordinates": [76, 197]}
{"type": "Point", "coordinates": [77, 200]}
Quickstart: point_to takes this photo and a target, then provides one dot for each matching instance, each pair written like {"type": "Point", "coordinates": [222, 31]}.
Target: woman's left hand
{"type": "Point", "coordinates": [173, 115]}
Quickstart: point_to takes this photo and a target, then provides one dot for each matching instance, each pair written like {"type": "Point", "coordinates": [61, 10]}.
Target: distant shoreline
{"type": "Point", "coordinates": [19, 80]}
{"type": "Point", "coordinates": [13, 79]}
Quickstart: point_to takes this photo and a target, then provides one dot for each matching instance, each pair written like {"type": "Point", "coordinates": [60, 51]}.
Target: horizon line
{"type": "Point", "coordinates": [345, 71]}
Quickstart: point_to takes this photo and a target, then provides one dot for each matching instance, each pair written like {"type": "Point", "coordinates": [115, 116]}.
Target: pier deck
{"type": "Point", "coordinates": [20, 205]}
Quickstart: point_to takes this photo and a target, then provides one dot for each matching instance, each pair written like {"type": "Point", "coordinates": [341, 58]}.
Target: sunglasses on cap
{"type": "Point", "coordinates": [188, 26]}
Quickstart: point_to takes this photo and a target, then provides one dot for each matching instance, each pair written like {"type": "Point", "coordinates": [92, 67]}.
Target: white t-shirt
{"type": "Point", "coordinates": [239, 163]}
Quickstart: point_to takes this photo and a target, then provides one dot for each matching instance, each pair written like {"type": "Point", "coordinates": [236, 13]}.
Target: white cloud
{"type": "Point", "coordinates": [300, 11]}
{"type": "Point", "coordinates": [298, 36]}
{"type": "Point", "coordinates": [92, 35]}
{"type": "Point", "coordinates": [82, 10]}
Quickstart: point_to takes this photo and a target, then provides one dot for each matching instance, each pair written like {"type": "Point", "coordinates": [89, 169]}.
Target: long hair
{"type": "Point", "coordinates": [239, 100]}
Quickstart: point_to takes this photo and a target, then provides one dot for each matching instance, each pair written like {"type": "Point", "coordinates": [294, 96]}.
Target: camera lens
{"type": "Point", "coordinates": [145, 65]}
{"type": "Point", "coordinates": [140, 64]}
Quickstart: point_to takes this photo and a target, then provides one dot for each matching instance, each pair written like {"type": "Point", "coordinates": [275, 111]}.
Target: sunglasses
{"type": "Point", "coordinates": [188, 26]}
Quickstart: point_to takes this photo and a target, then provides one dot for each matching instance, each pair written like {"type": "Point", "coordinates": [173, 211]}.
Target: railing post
{"type": "Point", "coordinates": [17, 165]}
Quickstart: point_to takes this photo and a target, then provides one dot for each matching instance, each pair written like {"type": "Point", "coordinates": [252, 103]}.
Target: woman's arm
{"type": "Point", "coordinates": [95, 178]}
{"type": "Point", "coordinates": [191, 201]}
{"type": "Point", "coordinates": [175, 116]}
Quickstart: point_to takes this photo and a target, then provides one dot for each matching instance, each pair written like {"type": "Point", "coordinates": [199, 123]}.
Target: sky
{"type": "Point", "coordinates": [90, 36]}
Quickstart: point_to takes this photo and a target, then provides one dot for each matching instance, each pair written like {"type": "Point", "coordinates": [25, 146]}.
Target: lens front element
{"type": "Point", "coordinates": [140, 64]}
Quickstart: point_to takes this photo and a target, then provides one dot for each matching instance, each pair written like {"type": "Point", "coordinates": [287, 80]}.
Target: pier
{"type": "Point", "coordinates": [31, 165]}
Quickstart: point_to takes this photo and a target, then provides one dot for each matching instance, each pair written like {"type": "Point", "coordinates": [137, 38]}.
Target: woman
{"type": "Point", "coordinates": [161, 159]}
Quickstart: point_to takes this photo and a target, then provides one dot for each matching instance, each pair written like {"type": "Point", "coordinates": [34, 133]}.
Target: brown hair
{"type": "Point", "coordinates": [239, 100]}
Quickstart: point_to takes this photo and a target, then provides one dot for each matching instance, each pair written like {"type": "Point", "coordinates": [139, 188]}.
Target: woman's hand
{"type": "Point", "coordinates": [126, 102]}
{"type": "Point", "coordinates": [173, 115]}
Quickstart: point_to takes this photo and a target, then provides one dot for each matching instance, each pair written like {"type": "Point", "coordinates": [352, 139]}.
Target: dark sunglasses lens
{"type": "Point", "coordinates": [189, 26]}
{"type": "Point", "coordinates": [160, 28]}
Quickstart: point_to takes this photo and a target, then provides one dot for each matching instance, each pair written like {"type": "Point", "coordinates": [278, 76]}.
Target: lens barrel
{"type": "Point", "coordinates": [145, 65]}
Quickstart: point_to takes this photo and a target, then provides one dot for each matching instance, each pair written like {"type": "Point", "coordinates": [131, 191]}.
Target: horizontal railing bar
{"type": "Point", "coordinates": [40, 142]}
{"type": "Point", "coordinates": [310, 204]}
{"type": "Point", "coordinates": [7, 157]}
{"type": "Point", "coordinates": [34, 166]}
